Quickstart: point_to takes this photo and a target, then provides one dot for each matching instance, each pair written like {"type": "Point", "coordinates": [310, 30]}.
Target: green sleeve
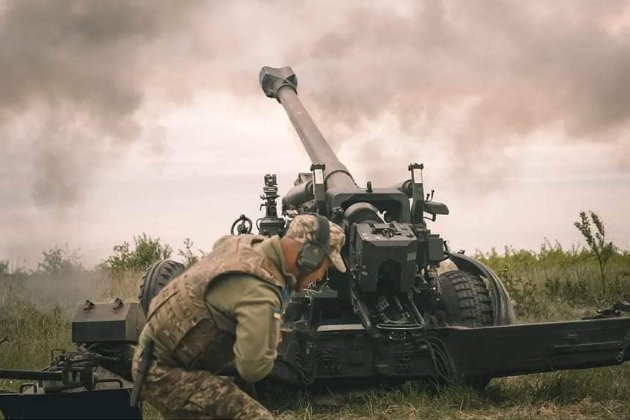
{"type": "Point", "coordinates": [248, 308]}
{"type": "Point", "coordinates": [257, 331]}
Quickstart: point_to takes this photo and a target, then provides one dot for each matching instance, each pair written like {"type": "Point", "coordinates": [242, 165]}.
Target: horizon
{"type": "Point", "coordinates": [148, 117]}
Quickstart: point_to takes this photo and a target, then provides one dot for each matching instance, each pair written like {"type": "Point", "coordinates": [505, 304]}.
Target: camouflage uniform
{"type": "Point", "coordinates": [224, 309]}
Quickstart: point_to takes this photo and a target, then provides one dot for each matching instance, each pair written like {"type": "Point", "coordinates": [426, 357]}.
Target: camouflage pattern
{"type": "Point", "coordinates": [182, 393]}
{"type": "Point", "coordinates": [303, 229]}
{"type": "Point", "coordinates": [178, 316]}
{"type": "Point", "coordinates": [182, 381]}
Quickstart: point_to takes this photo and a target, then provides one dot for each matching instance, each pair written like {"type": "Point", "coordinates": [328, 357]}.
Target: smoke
{"type": "Point", "coordinates": [71, 72]}
{"type": "Point", "coordinates": [484, 74]}
{"type": "Point", "coordinates": [77, 78]}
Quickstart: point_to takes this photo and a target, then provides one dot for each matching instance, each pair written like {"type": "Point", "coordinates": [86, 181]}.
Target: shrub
{"type": "Point", "coordinates": [596, 240]}
{"type": "Point", "coordinates": [4, 268]}
{"type": "Point", "coordinates": [146, 251]}
{"type": "Point", "coordinates": [188, 254]}
{"type": "Point", "coordinates": [60, 262]}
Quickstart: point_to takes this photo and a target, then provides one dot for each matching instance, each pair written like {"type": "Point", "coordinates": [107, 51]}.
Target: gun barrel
{"type": "Point", "coordinates": [281, 84]}
{"type": "Point", "coordinates": [33, 375]}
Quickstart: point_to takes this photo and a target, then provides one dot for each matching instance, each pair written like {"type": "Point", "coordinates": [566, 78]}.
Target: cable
{"type": "Point", "coordinates": [442, 362]}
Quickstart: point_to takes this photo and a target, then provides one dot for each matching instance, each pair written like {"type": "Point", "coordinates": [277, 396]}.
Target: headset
{"type": "Point", "coordinates": [312, 254]}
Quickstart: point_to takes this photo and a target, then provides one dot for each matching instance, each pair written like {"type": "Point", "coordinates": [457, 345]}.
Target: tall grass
{"type": "Point", "coordinates": [555, 283]}
{"type": "Point", "coordinates": [36, 311]}
{"type": "Point", "coordinates": [31, 329]}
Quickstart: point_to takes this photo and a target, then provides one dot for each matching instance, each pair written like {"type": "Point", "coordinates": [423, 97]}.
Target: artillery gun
{"type": "Point", "coordinates": [396, 314]}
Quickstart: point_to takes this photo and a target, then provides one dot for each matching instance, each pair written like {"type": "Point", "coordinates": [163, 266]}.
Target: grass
{"type": "Point", "coordinates": [36, 311]}
{"type": "Point", "coordinates": [598, 393]}
{"type": "Point", "coordinates": [549, 284]}
{"type": "Point", "coordinates": [554, 284]}
{"type": "Point", "coordinates": [31, 335]}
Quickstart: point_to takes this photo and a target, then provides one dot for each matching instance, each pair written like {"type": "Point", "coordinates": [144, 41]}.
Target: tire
{"type": "Point", "coordinates": [468, 304]}
{"type": "Point", "coordinates": [466, 299]}
{"type": "Point", "coordinates": [158, 275]}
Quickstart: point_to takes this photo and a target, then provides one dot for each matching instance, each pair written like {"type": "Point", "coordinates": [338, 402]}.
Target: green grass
{"type": "Point", "coordinates": [554, 284]}
{"type": "Point", "coordinates": [601, 393]}
{"type": "Point", "coordinates": [32, 330]}
{"type": "Point", "coordinates": [549, 284]}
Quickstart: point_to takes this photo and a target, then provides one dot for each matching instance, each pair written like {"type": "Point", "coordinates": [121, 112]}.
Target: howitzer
{"type": "Point", "coordinates": [397, 314]}
{"type": "Point", "coordinates": [390, 250]}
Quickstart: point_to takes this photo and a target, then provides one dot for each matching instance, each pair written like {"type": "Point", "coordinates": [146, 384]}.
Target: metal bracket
{"type": "Point", "coordinates": [319, 187]}
{"type": "Point", "coordinates": [625, 344]}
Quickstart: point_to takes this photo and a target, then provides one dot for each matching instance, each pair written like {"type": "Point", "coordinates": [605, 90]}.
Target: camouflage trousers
{"type": "Point", "coordinates": [181, 393]}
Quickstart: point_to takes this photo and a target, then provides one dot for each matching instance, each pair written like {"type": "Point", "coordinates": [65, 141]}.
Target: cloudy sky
{"type": "Point", "coordinates": [118, 118]}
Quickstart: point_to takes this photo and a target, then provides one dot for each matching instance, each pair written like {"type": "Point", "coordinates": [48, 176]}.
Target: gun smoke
{"type": "Point", "coordinates": [78, 77]}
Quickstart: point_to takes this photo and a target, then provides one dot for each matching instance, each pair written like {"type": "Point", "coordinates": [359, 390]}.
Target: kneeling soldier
{"type": "Point", "coordinates": [227, 309]}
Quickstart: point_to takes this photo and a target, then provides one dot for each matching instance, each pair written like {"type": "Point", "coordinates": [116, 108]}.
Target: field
{"type": "Point", "coordinates": [551, 283]}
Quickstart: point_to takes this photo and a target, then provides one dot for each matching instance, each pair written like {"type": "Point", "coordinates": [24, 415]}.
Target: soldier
{"type": "Point", "coordinates": [227, 308]}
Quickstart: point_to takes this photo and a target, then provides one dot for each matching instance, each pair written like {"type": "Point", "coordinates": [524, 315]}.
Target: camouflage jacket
{"type": "Point", "coordinates": [227, 307]}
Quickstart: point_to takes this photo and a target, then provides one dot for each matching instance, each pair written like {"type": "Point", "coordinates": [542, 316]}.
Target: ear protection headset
{"type": "Point", "coordinates": [312, 254]}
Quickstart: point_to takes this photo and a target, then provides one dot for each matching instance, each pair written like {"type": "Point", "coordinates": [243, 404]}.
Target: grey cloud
{"type": "Point", "coordinates": [484, 74]}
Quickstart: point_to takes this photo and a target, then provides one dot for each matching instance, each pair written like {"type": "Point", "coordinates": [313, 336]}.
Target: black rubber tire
{"type": "Point", "coordinates": [466, 298]}
{"type": "Point", "coordinates": [158, 275]}
{"type": "Point", "coordinates": [468, 304]}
